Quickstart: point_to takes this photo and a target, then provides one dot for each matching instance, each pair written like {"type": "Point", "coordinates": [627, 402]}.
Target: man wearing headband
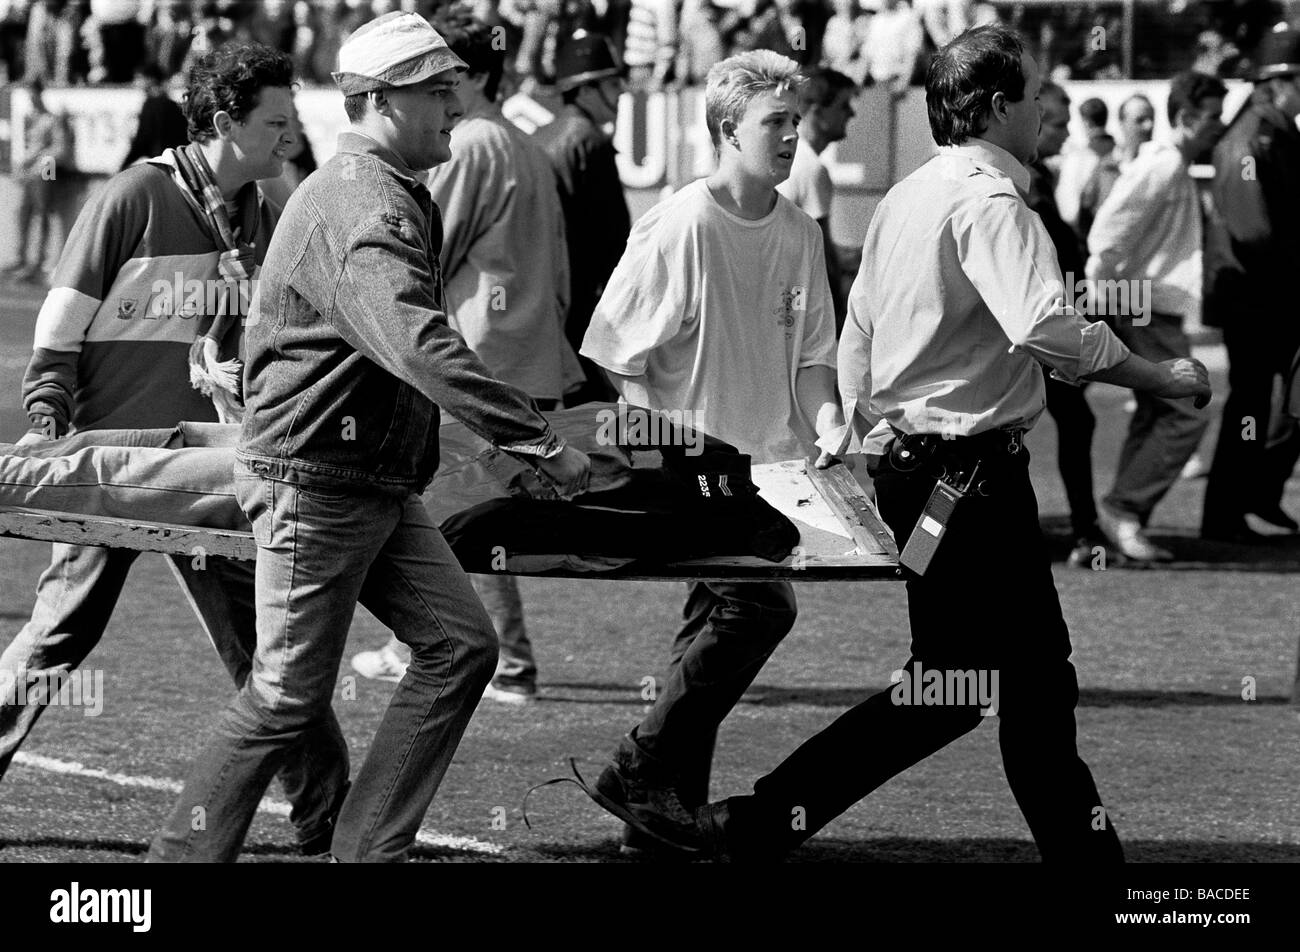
{"type": "Point", "coordinates": [349, 356]}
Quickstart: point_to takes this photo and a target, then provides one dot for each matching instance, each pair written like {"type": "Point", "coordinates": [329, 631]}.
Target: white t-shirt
{"type": "Point", "coordinates": [719, 313]}
{"type": "Point", "coordinates": [809, 185]}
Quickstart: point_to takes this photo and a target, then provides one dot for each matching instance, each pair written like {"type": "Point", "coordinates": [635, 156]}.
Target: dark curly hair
{"type": "Point", "coordinates": [479, 44]}
{"type": "Point", "coordinates": [231, 79]}
{"type": "Point", "coordinates": [1188, 90]}
{"type": "Point", "coordinates": [964, 75]}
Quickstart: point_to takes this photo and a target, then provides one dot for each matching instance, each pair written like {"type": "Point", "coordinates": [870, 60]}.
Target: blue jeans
{"type": "Point", "coordinates": [181, 475]}
{"type": "Point", "coordinates": [318, 555]}
{"type": "Point", "coordinates": [1163, 434]}
{"type": "Point", "coordinates": [516, 664]}
{"type": "Point", "coordinates": [500, 597]}
{"type": "Point", "coordinates": [74, 601]}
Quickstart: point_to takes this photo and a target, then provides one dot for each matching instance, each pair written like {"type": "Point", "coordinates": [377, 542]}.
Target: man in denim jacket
{"type": "Point", "coordinates": [349, 356]}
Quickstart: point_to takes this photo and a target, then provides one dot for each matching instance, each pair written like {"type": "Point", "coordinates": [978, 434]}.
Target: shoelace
{"type": "Point", "coordinates": [682, 814]}
{"type": "Point", "coordinates": [579, 782]}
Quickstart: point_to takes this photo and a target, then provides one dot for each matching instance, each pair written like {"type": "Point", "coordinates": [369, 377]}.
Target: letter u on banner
{"type": "Point", "coordinates": [649, 172]}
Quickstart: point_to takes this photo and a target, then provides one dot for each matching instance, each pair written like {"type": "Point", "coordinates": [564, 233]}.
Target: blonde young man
{"type": "Point", "coordinates": [720, 307]}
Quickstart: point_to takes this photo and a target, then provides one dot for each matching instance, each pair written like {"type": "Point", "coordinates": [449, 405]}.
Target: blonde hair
{"type": "Point", "coordinates": [733, 83]}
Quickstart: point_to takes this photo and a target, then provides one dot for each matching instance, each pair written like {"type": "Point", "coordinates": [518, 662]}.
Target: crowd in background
{"type": "Point", "coordinates": [664, 42]}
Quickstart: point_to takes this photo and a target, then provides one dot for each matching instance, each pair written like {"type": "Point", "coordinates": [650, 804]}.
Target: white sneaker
{"type": "Point", "coordinates": [1126, 532]}
{"type": "Point", "coordinates": [1195, 468]}
{"type": "Point", "coordinates": [510, 695]}
{"type": "Point", "coordinates": [381, 665]}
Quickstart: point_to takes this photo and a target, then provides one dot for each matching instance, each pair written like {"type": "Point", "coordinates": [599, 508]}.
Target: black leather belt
{"type": "Point", "coordinates": [913, 451]}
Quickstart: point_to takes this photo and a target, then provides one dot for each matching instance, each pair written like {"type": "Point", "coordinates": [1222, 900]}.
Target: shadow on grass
{"type": "Point", "coordinates": [763, 695]}
{"type": "Point", "coordinates": [1191, 553]}
{"type": "Point", "coordinates": [919, 850]}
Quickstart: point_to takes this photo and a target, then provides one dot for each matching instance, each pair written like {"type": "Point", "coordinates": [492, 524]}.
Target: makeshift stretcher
{"type": "Point", "coordinates": [841, 535]}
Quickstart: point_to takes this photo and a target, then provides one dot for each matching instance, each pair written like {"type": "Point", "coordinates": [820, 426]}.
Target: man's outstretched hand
{"type": "Point", "coordinates": [569, 469]}
{"type": "Point", "coordinates": [1186, 377]}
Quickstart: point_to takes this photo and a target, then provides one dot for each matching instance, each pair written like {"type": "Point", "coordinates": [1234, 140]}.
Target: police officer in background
{"type": "Point", "coordinates": [580, 144]}
{"type": "Point", "coordinates": [1252, 248]}
{"type": "Point", "coordinates": [958, 300]}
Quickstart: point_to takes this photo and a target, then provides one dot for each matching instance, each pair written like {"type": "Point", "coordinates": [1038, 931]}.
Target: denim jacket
{"type": "Point", "coordinates": [348, 352]}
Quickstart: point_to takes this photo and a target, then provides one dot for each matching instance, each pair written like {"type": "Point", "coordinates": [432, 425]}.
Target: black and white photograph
{"type": "Point", "coordinates": [735, 439]}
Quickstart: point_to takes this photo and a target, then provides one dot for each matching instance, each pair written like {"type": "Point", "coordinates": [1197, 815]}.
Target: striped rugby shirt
{"type": "Point", "coordinates": [112, 346]}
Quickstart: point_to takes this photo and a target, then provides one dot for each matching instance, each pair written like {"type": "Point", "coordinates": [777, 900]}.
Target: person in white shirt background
{"type": "Point", "coordinates": [825, 107]}
{"type": "Point", "coordinates": [893, 44]}
{"type": "Point", "coordinates": [1149, 230]}
{"type": "Point", "coordinates": [1079, 160]}
{"type": "Point", "coordinates": [958, 300]}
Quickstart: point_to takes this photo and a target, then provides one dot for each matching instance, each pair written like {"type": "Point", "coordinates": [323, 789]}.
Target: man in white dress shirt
{"type": "Point", "coordinates": [958, 301]}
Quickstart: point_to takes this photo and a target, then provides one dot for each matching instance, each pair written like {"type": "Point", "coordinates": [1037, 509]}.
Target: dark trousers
{"type": "Point", "coordinates": [1250, 470]}
{"type": "Point", "coordinates": [1075, 424]}
{"type": "Point", "coordinates": [730, 630]}
{"type": "Point", "coordinates": [988, 603]}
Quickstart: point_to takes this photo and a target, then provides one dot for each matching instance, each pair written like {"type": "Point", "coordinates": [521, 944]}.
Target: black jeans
{"type": "Point", "coordinates": [988, 604]}
{"type": "Point", "coordinates": [729, 631]}
{"type": "Point", "coordinates": [1074, 427]}
{"type": "Point", "coordinates": [1250, 472]}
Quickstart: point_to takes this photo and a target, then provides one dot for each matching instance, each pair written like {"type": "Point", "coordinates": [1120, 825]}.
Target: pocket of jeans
{"type": "Point", "coordinates": [256, 496]}
{"type": "Point", "coordinates": [325, 496]}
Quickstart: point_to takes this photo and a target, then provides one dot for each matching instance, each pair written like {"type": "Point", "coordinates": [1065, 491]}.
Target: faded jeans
{"type": "Point", "coordinates": [77, 594]}
{"type": "Point", "coordinates": [1163, 434]}
{"type": "Point", "coordinates": [516, 664]}
{"type": "Point", "coordinates": [319, 554]}
{"type": "Point", "coordinates": [182, 475]}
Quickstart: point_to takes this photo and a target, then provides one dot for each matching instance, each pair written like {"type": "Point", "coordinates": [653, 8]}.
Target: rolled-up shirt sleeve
{"type": "Point", "coordinates": [1008, 256]}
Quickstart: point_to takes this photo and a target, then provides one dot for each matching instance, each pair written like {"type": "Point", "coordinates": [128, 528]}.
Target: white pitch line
{"type": "Point", "coordinates": [276, 807]}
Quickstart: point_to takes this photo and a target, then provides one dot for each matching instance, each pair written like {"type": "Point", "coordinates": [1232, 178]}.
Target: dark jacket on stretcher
{"type": "Point", "coordinates": [665, 494]}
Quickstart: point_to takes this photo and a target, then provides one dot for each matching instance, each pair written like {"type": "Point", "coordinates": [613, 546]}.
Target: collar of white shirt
{"type": "Point", "coordinates": [983, 152]}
